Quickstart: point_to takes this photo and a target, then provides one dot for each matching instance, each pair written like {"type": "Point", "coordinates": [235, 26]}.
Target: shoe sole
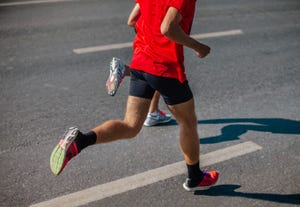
{"type": "Point", "coordinates": [160, 122]}
{"type": "Point", "coordinates": [198, 187]}
{"type": "Point", "coordinates": [57, 159]}
{"type": "Point", "coordinates": [58, 154]}
{"type": "Point", "coordinates": [116, 83]}
{"type": "Point", "coordinates": [115, 86]}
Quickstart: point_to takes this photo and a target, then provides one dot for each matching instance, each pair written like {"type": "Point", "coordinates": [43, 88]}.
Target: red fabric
{"type": "Point", "coordinates": [153, 52]}
{"type": "Point", "coordinates": [71, 152]}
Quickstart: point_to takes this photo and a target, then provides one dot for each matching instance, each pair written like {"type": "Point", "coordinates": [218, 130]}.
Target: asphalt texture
{"type": "Point", "coordinates": [247, 89]}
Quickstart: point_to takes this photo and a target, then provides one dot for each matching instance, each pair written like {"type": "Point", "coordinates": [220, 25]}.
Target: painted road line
{"type": "Point", "coordinates": [129, 44]}
{"type": "Point", "coordinates": [218, 34]}
{"type": "Point", "coordinates": [123, 185]}
{"type": "Point", "coordinates": [19, 3]}
{"type": "Point", "coordinates": [102, 48]}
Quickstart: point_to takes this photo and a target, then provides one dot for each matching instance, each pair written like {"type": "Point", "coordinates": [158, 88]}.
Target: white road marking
{"type": "Point", "coordinates": [129, 44]}
{"type": "Point", "coordinates": [102, 48]}
{"type": "Point", "coordinates": [116, 187]}
{"type": "Point", "coordinates": [19, 3]}
{"type": "Point", "coordinates": [218, 34]}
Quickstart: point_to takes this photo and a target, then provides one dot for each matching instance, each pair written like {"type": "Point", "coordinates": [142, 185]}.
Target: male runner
{"type": "Point", "coordinates": [163, 28]}
{"type": "Point", "coordinates": [118, 70]}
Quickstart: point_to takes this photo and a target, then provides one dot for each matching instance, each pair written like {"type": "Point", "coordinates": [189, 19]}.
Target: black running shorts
{"type": "Point", "coordinates": [172, 90]}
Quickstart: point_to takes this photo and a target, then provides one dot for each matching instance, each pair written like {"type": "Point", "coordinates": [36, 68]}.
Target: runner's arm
{"type": "Point", "coordinates": [134, 15]}
{"type": "Point", "coordinates": [171, 29]}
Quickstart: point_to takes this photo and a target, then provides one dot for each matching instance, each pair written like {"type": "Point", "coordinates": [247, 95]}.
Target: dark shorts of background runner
{"type": "Point", "coordinates": [172, 90]}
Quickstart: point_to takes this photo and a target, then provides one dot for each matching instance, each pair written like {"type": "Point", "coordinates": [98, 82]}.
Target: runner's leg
{"type": "Point", "coordinates": [189, 139]}
{"type": "Point", "coordinates": [136, 112]}
{"type": "Point", "coordinates": [154, 103]}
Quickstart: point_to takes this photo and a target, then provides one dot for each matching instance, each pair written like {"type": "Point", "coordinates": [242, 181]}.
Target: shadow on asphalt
{"type": "Point", "coordinates": [232, 131]}
{"type": "Point", "coordinates": [229, 190]}
{"type": "Point", "coordinates": [239, 126]}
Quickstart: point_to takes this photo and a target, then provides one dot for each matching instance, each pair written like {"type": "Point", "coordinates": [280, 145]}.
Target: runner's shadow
{"type": "Point", "coordinates": [237, 127]}
{"type": "Point", "coordinates": [229, 190]}
{"type": "Point", "coordinates": [240, 126]}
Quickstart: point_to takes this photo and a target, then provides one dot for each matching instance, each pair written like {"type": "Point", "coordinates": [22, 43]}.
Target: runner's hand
{"type": "Point", "coordinates": [202, 50]}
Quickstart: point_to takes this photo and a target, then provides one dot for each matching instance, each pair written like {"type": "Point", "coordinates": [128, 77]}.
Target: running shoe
{"type": "Point", "coordinates": [116, 75]}
{"type": "Point", "coordinates": [157, 118]}
{"type": "Point", "coordinates": [64, 151]}
{"type": "Point", "coordinates": [209, 179]}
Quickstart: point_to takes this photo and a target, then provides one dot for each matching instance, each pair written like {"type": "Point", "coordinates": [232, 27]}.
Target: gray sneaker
{"type": "Point", "coordinates": [157, 118]}
{"type": "Point", "coordinates": [116, 75]}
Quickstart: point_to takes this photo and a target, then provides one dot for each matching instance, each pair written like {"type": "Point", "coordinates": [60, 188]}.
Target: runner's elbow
{"type": "Point", "coordinates": [168, 30]}
{"type": "Point", "coordinates": [165, 29]}
{"type": "Point", "coordinates": [131, 23]}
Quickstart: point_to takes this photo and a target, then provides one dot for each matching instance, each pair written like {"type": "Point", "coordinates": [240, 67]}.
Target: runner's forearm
{"type": "Point", "coordinates": [171, 29]}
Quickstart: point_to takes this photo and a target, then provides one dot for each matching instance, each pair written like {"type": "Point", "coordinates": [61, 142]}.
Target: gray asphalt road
{"type": "Point", "coordinates": [248, 89]}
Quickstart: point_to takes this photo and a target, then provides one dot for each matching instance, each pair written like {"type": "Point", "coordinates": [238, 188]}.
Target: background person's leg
{"type": "Point", "coordinates": [154, 103]}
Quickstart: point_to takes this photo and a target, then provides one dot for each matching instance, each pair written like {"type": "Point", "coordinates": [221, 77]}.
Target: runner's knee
{"type": "Point", "coordinates": [133, 131]}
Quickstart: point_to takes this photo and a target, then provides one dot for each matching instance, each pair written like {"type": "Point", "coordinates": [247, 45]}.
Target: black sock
{"type": "Point", "coordinates": [84, 140]}
{"type": "Point", "coordinates": [194, 172]}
